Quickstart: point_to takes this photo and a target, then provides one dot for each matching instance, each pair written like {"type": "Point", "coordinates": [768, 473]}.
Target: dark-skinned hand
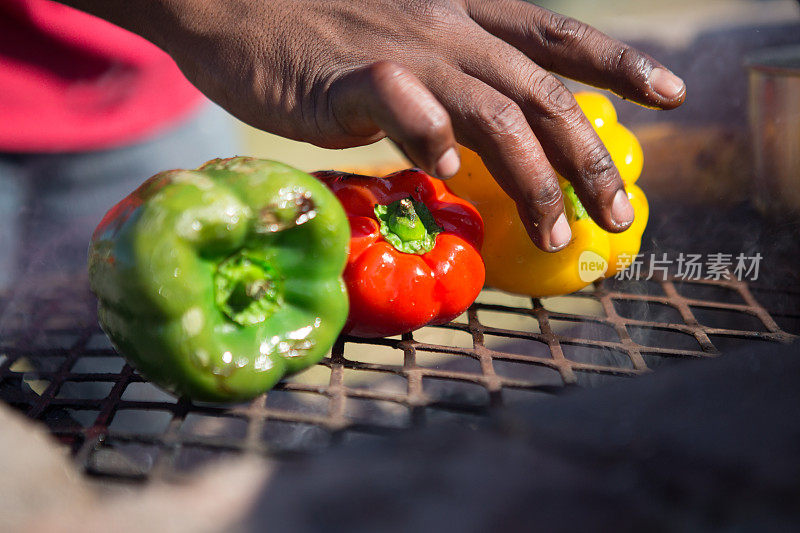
{"type": "Point", "coordinates": [426, 74]}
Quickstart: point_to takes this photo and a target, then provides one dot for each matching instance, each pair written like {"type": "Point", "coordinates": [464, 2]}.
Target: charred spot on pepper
{"type": "Point", "coordinates": [295, 208]}
{"type": "Point", "coordinates": [406, 209]}
{"type": "Point", "coordinates": [332, 176]}
{"type": "Point", "coordinates": [241, 164]}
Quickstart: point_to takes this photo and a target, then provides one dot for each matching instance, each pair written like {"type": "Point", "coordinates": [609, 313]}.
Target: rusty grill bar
{"type": "Point", "coordinates": [57, 367]}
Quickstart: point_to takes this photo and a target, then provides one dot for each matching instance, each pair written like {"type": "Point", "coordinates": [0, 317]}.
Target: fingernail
{"type": "Point", "coordinates": [621, 209]}
{"type": "Point", "coordinates": [561, 234]}
{"type": "Point", "coordinates": [448, 164]}
{"type": "Point", "coordinates": [665, 83]}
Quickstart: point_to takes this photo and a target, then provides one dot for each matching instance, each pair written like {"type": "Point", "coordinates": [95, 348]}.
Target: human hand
{"type": "Point", "coordinates": [425, 73]}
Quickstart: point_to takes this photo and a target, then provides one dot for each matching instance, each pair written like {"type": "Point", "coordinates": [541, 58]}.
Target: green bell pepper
{"type": "Point", "coordinates": [216, 282]}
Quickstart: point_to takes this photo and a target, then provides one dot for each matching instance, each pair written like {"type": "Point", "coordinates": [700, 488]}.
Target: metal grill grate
{"type": "Point", "coordinates": [57, 367]}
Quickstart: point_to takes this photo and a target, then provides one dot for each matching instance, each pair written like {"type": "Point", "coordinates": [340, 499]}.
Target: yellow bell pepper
{"type": "Point", "coordinates": [513, 263]}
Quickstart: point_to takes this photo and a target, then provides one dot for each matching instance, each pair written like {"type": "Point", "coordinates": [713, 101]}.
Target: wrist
{"type": "Point", "coordinates": [162, 22]}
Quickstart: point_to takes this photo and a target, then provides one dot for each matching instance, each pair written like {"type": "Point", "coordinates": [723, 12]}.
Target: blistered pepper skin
{"type": "Point", "coordinates": [513, 263]}
{"type": "Point", "coordinates": [216, 282]}
{"type": "Point", "coordinates": [394, 291]}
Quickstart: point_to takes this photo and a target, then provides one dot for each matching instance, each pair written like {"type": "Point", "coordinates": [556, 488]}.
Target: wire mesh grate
{"type": "Point", "coordinates": [57, 367]}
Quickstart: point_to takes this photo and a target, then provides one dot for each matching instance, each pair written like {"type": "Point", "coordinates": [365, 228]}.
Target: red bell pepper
{"type": "Point", "coordinates": [414, 251]}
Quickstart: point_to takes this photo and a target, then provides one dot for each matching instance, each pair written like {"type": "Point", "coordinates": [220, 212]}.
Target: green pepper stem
{"type": "Point", "coordinates": [408, 225]}
{"type": "Point", "coordinates": [404, 222]}
{"type": "Point", "coordinates": [572, 205]}
{"type": "Point", "coordinates": [247, 289]}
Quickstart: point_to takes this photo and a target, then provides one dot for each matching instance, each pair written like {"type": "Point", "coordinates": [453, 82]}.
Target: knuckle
{"type": "Point", "coordinates": [500, 116]}
{"type": "Point", "coordinates": [620, 61]}
{"type": "Point", "coordinates": [384, 72]}
{"type": "Point", "coordinates": [553, 97]}
{"type": "Point", "coordinates": [436, 123]}
{"type": "Point", "coordinates": [431, 128]}
{"type": "Point", "coordinates": [322, 112]}
{"type": "Point", "coordinates": [628, 69]}
{"type": "Point", "coordinates": [628, 60]}
{"type": "Point", "coordinates": [599, 170]}
{"type": "Point", "coordinates": [563, 31]}
{"type": "Point", "coordinates": [543, 196]}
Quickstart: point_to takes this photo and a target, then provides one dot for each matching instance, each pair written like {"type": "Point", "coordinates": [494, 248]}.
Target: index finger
{"type": "Point", "coordinates": [578, 51]}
